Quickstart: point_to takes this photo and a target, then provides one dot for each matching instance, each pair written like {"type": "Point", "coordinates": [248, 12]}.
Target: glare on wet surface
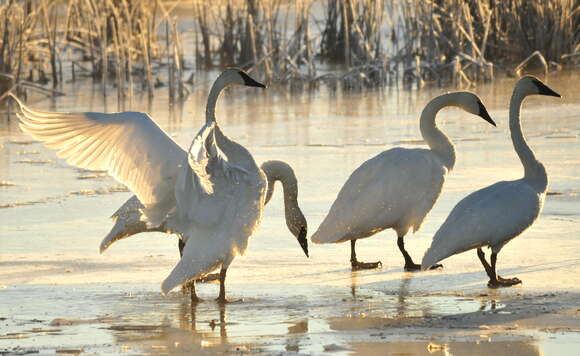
{"type": "Point", "coordinates": [54, 217]}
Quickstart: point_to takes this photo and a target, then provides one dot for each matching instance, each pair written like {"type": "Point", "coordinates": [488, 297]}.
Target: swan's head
{"type": "Point", "coordinates": [295, 220]}
{"type": "Point", "coordinates": [529, 85]}
{"type": "Point", "coordinates": [473, 105]}
{"type": "Point", "coordinates": [238, 76]}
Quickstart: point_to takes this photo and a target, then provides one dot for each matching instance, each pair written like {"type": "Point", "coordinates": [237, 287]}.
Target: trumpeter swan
{"type": "Point", "coordinates": [398, 187]}
{"type": "Point", "coordinates": [212, 195]}
{"type": "Point", "coordinates": [129, 219]}
{"type": "Point", "coordinates": [494, 215]}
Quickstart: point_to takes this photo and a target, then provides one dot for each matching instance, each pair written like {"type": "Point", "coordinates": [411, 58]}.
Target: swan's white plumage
{"type": "Point", "coordinates": [130, 146]}
{"type": "Point", "coordinates": [396, 188]}
{"type": "Point", "coordinates": [491, 217]}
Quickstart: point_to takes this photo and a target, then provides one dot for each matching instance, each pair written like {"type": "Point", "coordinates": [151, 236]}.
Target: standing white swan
{"type": "Point", "coordinates": [212, 195]}
{"type": "Point", "coordinates": [398, 187]}
{"type": "Point", "coordinates": [494, 215]}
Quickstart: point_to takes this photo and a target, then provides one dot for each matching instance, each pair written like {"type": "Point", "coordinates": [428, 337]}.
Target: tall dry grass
{"type": "Point", "coordinates": [134, 46]}
{"type": "Point", "coordinates": [117, 42]}
{"type": "Point", "coordinates": [465, 38]}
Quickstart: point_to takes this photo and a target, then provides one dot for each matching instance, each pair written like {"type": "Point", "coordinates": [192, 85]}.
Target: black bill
{"type": "Point", "coordinates": [303, 241]}
{"type": "Point", "coordinates": [484, 115]}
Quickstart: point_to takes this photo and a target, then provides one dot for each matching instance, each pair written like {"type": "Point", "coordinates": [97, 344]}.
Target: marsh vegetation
{"type": "Point", "coordinates": [143, 45]}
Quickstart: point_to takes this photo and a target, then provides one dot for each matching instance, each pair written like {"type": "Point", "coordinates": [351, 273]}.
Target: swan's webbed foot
{"type": "Point", "coordinates": [495, 281]}
{"type": "Point", "coordinates": [356, 265]}
{"type": "Point", "coordinates": [413, 267]}
{"type": "Point", "coordinates": [500, 282]}
{"type": "Point", "coordinates": [410, 266]}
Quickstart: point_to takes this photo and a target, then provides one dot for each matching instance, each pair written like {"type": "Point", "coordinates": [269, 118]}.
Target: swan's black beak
{"type": "Point", "coordinates": [484, 115]}
{"type": "Point", "coordinates": [249, 81]}
{"type": "Point", "coordinates": [545, 90]}
{"type": "Point", "coordinates": [303, 241]}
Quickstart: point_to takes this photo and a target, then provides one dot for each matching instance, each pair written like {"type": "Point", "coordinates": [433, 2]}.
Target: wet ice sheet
{"type": "Point", "coordinates": [135, 319]}
{"type": "Point", "coordinates": [54, 216]}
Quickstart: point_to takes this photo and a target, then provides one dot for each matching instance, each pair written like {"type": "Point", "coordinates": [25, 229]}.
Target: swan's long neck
{"type": "Point", "coordinates": [435, 138]}
{"type": "Point", "coordinates": [280, 171]}
{"type": "Point", "coordinates": [221, 82]}
{"type": "Point", "coordinates": [535, 173]}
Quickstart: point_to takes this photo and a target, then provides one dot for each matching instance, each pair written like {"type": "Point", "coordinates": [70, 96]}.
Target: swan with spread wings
{"type": "Point", "coordinates": [211, 195]}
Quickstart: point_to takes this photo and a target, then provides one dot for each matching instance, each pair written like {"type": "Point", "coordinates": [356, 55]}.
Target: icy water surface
{"type": "Point", "coordinates": [57, 294]}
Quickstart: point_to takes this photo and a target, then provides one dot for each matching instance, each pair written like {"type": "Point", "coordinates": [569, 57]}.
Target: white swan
{"type": "Point", "coordinates": [212, 195]}
{"type": "Point", "coordinates": [494, 215]}
{"type": "Point", "coordinates": [398, 187]}
{"type": "Point", "coordinates": [129, 219]}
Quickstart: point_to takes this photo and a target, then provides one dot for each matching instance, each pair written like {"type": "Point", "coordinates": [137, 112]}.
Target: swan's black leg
{"type": "Point", "coordinates": [190, 285]}
{"type": "Point", "coordinates": [222, 296]}
{"type": "Point", "coordinates": [181, 245]}
{"type": "Point", "coordinates": [495, 281]}
{"type": "Point", "coordinates": [360, 265]}
{"type": "Point", "coordinates": [488, 270]}
{"type": "Point", "coordinates": [194, 297]}
{"type": "Point", "coordinates": [410, 266]}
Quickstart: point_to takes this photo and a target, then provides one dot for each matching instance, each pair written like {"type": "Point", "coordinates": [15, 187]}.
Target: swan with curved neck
{"type": "Point", "coordinates": [281, 171]}
{"type": "Point", "coordinates": [398, 187]}
{"type": "Point", "coordinates": [212, 195]}
{"type": "Point", "coordinates": [494, 215]}
{"type": "Point", "coordinates": [225, 79]}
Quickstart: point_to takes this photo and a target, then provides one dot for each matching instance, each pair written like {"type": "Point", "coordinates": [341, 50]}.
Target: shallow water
{"type": "Point", "coordinates": [54, 216]}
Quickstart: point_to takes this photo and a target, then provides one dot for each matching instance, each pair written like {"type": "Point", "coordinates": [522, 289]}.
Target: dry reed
{"type": "Point", "coordinates": [125, 44]}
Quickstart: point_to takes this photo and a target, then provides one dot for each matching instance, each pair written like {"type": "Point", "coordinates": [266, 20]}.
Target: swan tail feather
{"type": "Point", "coordinates": [432, 256]}
{"type": "Point", "coordinates": [440, 251]}
{"type": "Point", "coordinates": [200, 257]}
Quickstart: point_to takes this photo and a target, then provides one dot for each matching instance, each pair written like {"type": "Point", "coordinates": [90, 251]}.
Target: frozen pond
{"type": "Point", "coordinates": [53, 217]}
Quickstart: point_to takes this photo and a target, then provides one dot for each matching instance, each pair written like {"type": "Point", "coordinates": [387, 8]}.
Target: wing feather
{"type": "Point", "coordinates": [130, 146]}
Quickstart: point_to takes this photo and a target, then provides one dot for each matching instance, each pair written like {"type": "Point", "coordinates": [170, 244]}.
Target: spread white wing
{"type": "Point", "coordinates": [130, 146]}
